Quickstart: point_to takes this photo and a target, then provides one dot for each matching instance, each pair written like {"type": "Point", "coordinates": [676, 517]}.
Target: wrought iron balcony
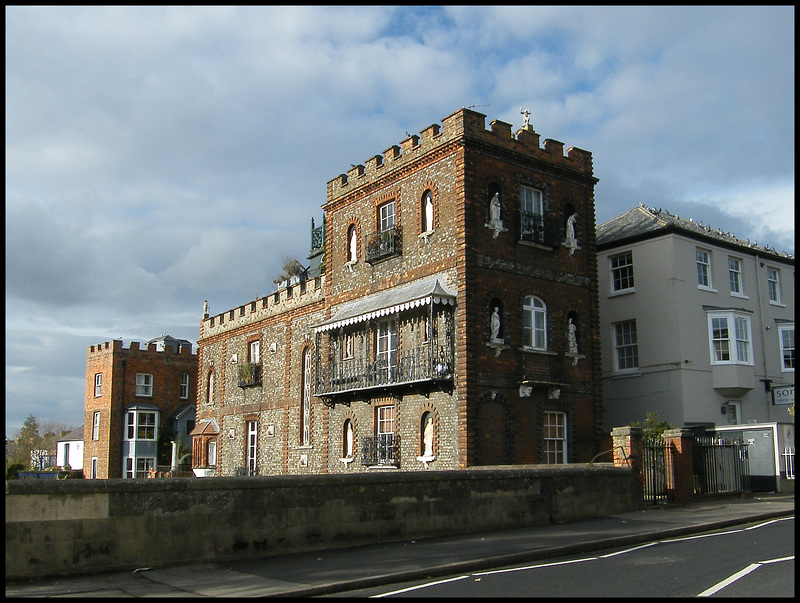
{"type": "Point", "coordinates": [534, 229]}
{"type": "Point", "coordinates": [383, 245]}
{"type": "Point", "coordinates": [381, 450]}
{"type": "Point", "coordinates": [250, 374]}
{"type": "Point", "coordinates": [415, 365]}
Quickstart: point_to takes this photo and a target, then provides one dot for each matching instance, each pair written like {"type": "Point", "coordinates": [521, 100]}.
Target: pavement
{"type": "Point", "coordinates": [339, 570]}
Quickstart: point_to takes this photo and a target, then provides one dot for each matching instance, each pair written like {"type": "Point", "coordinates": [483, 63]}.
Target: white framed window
{"type": "Point", "coordinates": [735, 276]}
{"type": "Point", "coordinates": [96, 425]}
{"type": "Point", "coordinates": [254, 352]}
{"type": "Point", "coordinates": [733, 412]}
{"type": "Point", "coordinates": [730, 337]}
{"type": "Point", "coordinates": [531, 214]}
{"type": "Point", "coordinates": [184, 386]}
{"type": "Point", "coordinates": [141, 425]}
{"type": "Point", "coordinates": [139, 467]}
{"type": "Point", "coordinates": [93, 470]}
{"type": "Point", "coordinates": [555, 437]}
{"type": "Point", "coordinates": [387, 347]}
{"type": "Point", "coordinates": [774, 285]}
{"type": "Point", "coordinates": [621, 272]}
{"type": "Point", "coordinates": [786, 336]}
{"type": "Point", "coordinates": [144, 384]}
{"type": "Point", "coordinates": [703, 268]}
{"type": "Point", "coordinates": [385, 433]}
{"type": "Point", "coordinates": [387, 216]}
{"type": "Point", "coordinates": [212, 453]}
{"type": "Point", "coordinates": [305, 403]}
{"type": "Point", "coordinates": [626, 347]}
{"type": "Point", "coordinates": [98, 385]}
{"type": "Point", "coordinates": [534, 323]}
{"type": "Point", "coordinates": [252, 447]}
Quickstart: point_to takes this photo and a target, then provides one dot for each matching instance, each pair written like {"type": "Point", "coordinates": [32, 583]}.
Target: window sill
{"type": "Point", "coordinates": [740, 295]}
{"type": "Point", "coordinates": [536, 245]}
{"type": "Point", "coordinates": [636, 373]}
{"type": "Point", "coordinates": [709, 289]}
{"type": "Point", "coordinates": [622, 292]}
{"type": "Point", "coordinates": [540, 351]}
{"type": "Point", "coordinates": [777, 304]}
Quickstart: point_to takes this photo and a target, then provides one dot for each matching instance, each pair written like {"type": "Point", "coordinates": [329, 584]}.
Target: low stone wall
{"type": "Point", "coordinates": [73, 527]}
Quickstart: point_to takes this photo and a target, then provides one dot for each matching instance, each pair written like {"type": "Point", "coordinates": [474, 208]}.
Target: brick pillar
{"type": "Point", "coordinates": [628, 453]}
{"type": "Point", "coordinates": [679, 465]}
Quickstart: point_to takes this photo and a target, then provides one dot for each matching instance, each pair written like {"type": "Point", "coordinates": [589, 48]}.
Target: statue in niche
{"type": "Point", "coordinates": [572, 337]}
{"type": "Point", "coordinates": [571, 228]}
{"type": "Point", "coordinates": [353, 245]}
{"type": "Point", "coordinates": [494, 210]}
{"type": "Point", "coordinates": [427, 438]}
{"type": "Point", "coordinates": [428, 213]}
{"type": "Point", "coordinates": [349, 440]}
{"type": "Point", "coordinates": [495, 323]}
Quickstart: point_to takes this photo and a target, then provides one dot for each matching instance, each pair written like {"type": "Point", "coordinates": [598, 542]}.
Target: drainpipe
{"type": "Point", "coordinates": [764, 329]}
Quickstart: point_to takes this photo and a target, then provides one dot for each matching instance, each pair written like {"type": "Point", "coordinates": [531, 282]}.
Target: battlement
{"type": "Point", "coordinates": [135, 347]}
{"type": "Point", "coordinates": [292, 294]}
{"type": "Point", "coordinates": [463, 124]}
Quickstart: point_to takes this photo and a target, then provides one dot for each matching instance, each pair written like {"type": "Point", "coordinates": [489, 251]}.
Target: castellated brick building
{"type": "Point", "coordinates": [449, 319]}
{"type": "Point", "coordinates": [138, 399]}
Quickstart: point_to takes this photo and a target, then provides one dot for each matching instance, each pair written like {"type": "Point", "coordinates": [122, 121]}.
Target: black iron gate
{"type": "Point", "coordinates": [720, 466]}
{"type": "Point", "coordinates": [654, 469]}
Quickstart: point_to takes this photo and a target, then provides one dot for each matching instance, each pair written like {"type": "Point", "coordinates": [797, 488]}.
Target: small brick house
{"type": "Point", "coordinates": [448, 319]}
{"type": "Point", "coordinates": [138, 400]}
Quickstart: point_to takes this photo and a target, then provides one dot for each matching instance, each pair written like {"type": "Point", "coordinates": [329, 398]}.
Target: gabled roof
{"type": "Point", "coordinates": [647, 222]}
{"type": "Point", "coordinates": [206, 427]}
{"type": "Point", "coordinates": [73, 436]}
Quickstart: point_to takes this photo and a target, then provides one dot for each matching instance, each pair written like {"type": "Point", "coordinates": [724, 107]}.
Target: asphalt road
{"type": "Point", "coordinates": [751, 560]}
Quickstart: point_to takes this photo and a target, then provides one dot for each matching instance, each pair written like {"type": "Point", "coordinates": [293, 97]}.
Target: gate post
{"type": "Point", "coordinates": [628, 452]}
{"type": "Point", "coordinates": [680, 465]}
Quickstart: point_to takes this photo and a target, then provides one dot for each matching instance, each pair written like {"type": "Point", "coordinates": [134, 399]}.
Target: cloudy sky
{"type": "Point", "coordinates": [159, 157]}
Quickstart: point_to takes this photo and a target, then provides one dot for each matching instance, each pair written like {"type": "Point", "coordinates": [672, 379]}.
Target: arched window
{"type": "Point", "coordinates": [534, 316]}
{"type": "Point", "coordinates": [210, 392]}
{"type": "Point", "coordinates": [352, 244]}
{"type": "Point", "coordinates": [305, 403]}
{"type": "Point", "coordinates": [426, 212]}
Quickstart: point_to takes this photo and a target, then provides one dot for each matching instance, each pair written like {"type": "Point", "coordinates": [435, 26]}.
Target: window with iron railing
{"type": "Point", "coordinates": [383, 245]}
{"type": "Point", "coordinates": [383, 449]}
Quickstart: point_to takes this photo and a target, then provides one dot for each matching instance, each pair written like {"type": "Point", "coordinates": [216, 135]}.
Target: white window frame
{"type": "Point", "coordinates": [144, 385]}
{"type": "Point", "coordinates": [184, 386]}
{"type": "Point", "coordinates": [534, 323]}
{"type": "Point", "coordinates": [626, 347]}
{"type": "Point", "coordinates": [733, 408]}
{"type": "Point", "coordinates": [252, 448]}
{"type": "Point", "coordinates": [305, 419]}
{"type": "Point", "coordinates": [730, 338]}
{"type": "Point", "coordinates": [139, 422]}
{"type": "Point", "coordinates": [786, 343]}
{"type": "Point", "coordinates": [736, 277]}
{"type": "Point", "coordinates": [138, 467]}
{"type": "Point", "coordinates": [387, 216]}
{"type": "Point", "coordinates": [93, 470]}
{"type": "Point", "coordinates": [554, 425]}
{"type": "Point", "coordinates": [254, 351]}
{"type": "Point", "coordinates": [387, 345]}
{"type": "Point", "coordinates": [704, 273]}
{"type": "Point", "coordinates": [98, 385]}
{"type": "Point", "coordinates": [620, 266]}
{"type": "Point", "coordinates": [96, 425]}
{"type": "Point", "coordinates": [531, 201]}
{"type": "Point", "coordinates": [774, 285]}
{"type": "Point", "coordinates": [211, 453]}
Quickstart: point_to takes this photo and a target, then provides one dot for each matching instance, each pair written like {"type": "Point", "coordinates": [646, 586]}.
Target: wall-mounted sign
{"type": "Point", "coordinates": [783, 395]}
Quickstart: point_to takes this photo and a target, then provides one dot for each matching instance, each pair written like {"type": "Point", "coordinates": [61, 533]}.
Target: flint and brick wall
{"type": "Point", "coordinates": [74, 527]}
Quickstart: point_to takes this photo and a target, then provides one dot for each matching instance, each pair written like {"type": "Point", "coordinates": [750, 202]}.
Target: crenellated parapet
{"type": "Point", "coordinates": [462, 125]}
{"type": "Point", "coordinates": [136, 347]}
{"type": "Point", "coordinates": [291, 295]}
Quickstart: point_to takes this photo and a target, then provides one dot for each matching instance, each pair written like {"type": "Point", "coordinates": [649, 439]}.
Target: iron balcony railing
{"type": "Point", "coordinates": [535, 229]}
{"type": "Point", "coordinates": [383, 245]}
{"type": "Point", "coordinates": [418, 364]}
{"type": "Point", "coordinates": [250, 374]}
{"type": "Point", "coordinates": [381, 450]}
